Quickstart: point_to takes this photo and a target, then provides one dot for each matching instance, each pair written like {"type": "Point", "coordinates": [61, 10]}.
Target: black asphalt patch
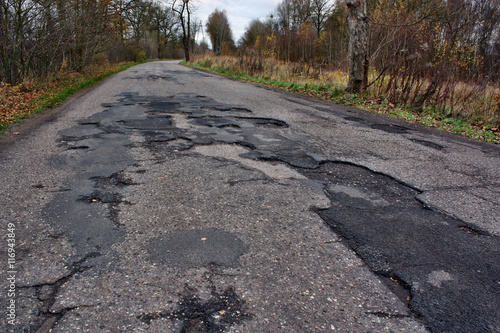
{"type": "Point", "coordinates": [429, 144]}
{"type": "Point", "coordinates": [451, 274]}
{"type": "Point", "coordinates": [221, 311]}
{"type": "Point", "coordinates": [197, 248]}
{"type": "Point", "coordinates": [391, 128]}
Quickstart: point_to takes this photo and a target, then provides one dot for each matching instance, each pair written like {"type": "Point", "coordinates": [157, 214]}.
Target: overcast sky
{"type": "Point", "coordinates": [239, 13]}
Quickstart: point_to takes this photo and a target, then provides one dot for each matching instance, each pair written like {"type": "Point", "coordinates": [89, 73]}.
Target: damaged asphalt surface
{"type": "Point", "coordinates": [168, 199]}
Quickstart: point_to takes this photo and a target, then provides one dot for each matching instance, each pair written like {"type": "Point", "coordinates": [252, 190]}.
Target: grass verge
{"type": "Point", "coordinates": [30, 97]}
{"type": "Point", "coordinates": [474, 130]}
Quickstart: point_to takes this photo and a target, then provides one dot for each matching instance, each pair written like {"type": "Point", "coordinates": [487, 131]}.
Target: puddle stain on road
{"type": "Point", "coordinates": [197, 248]}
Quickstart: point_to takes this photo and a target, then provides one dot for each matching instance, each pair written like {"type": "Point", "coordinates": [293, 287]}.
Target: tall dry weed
{"type": "Point", "coordinates": [274, 69]}
{"type": "Point", "coordinates": [477, 102]}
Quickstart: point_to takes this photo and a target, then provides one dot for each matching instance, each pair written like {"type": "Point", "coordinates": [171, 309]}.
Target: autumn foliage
{"type": "Point", "coordinates": [430, 56]}
{"type": "Point", "coordinates": [21, 100]}
{"type": "Point", "coordinates": [40, 38]}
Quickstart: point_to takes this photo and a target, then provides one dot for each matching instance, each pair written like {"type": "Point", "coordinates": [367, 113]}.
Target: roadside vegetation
{"type": "Point", "coordinates": [436, 62]}
{"type": "Point", "coordinates": [478, 120]}
{"type": "Point", "coordinates": [17, 102]}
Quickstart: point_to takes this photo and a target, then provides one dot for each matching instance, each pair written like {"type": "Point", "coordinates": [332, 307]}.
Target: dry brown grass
{"type": "Point", "coordinates": [273, 69]}
{"type": "Point", "coordinates": [479, 104]}
{"type": "Point", "coordinates": [461, 108]}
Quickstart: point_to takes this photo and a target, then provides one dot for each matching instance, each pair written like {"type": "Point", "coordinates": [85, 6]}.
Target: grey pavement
{"type": "Point", "coordinates": [169, 199]}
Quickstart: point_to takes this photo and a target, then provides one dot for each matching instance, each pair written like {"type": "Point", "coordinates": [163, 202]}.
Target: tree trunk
{"type": "Point", "coordinates": [187, 54]}
{"type": "Point", "coordinates": [186, 26]}
{"type": "Point", "coordinates": [358, 45]}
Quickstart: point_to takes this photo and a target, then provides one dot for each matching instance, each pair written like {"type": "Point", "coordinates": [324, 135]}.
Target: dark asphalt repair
{"type": "Point", "coordinates": [449, 270]}
{"type": "Point", "coordinates": [446, 271]}
{"type": "Point", "coordinates": [197, 248]}
{"type": "Point", "coordinates": [220, 311]}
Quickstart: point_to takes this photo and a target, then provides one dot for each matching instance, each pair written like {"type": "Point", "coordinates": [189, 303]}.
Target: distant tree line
{"type": "Point", "coordinates": [39, 37]}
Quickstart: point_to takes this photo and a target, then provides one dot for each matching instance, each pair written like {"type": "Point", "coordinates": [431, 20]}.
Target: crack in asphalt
{"type": "Point", "coordinates": [47, 293]}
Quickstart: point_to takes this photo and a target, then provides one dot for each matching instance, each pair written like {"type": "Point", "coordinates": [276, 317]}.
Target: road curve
{"type": "Point", "coordinates": [169, 199]}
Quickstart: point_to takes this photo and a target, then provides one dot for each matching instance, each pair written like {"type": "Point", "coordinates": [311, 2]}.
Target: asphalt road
{"type": "Point", "coordinates": [168, 199]}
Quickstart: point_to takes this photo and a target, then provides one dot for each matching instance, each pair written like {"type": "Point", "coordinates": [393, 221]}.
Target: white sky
{"type": "Point", "coordinates": [239, 13]}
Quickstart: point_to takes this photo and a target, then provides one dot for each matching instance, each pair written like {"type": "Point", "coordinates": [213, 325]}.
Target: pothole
{"type": "Point", "coordinates": [355, 119]}
{"type": "Point", "coordinates": [234, 153]}
{"type": "Point", "coordinates": [471, 231]}
{"type": "Point", "coordinates": [398, 287]}
{"type": "Point", "coordinates": [210, 121]}
{"type": "Point", "coordinates": [78, 147]}
{"type": "Point", "coordinates": [226, 109]}
{"type": "Point", "coordinates": [174, 145]}
{"type": "Point", "coordinates": [264, 122]}
{"type": "Point", "coordinates": [100, 197]}
{"type": "Point", "coordinates": [116, 179]}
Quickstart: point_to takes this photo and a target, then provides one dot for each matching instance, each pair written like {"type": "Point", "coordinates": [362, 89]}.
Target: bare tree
{"type": "Point", "coordinates": [165, 27]}
{"type": "Point", "coordinates": [184, 14]}
{"type": "Point", "coordinates": [293, 14]}
{"type": "Point", "coordinates": [321, 10]}
{"type": "Point", "coordinates": [39, 37]}
{"type": "Point", "coordinates": [18, 33]}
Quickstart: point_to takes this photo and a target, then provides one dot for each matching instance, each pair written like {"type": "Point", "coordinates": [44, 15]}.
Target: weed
{"type": "Point", "coordinates": [293, 77]}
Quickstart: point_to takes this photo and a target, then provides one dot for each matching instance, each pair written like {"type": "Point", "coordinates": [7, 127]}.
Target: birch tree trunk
{"type": "Point", "coordinates": [358, 45]}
